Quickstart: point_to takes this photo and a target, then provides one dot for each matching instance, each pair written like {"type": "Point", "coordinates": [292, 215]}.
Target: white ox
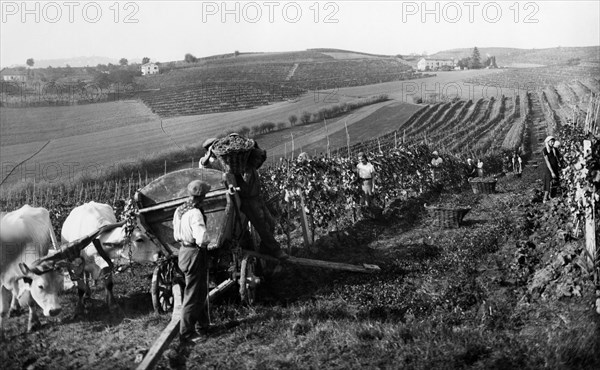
{"type": "Point", "coordinates": [88, 218]}
{"type": "Point", "coordinates": [25, 236]}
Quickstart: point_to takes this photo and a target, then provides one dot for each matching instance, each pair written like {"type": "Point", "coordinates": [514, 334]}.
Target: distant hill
{"type": "Point", "coordinates": [75, 62]}
{"type": "Point", "coordinates": [513, 56]}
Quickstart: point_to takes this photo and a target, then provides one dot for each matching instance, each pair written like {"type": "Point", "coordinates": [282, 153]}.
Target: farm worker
{"type": "Point", "coordinates": [517, 163]}
{"type": "Point", "coordinates": [303, 157]}
{"type": "Point", "coordinates": [189, 228]}
{"type": "Point", "coordinates": [480, 168]}
{"type": "Point", "coordinates": [253, 206]}
{"type": "Point", "coordinates": [552, 168]}
{"type": "Point", "coordinates": [506, 163]}
{"type": "Point", "coordinates": [471, 169]}
{"type": "Point", "coordinates": [436, 164]}
{"type": "Point", "coordinates": [210, 159]}
{"type": "Point", "coordinates": [561, 159]}
{"type": "Point", "coordinates": [366, 175]}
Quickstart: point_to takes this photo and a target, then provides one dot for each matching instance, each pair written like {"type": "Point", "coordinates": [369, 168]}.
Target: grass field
{"type": "Point", "coordinates": [92, 138]}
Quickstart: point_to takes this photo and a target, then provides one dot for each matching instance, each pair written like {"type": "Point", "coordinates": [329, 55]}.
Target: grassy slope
{"type": "Point", "coordinates": [101, 135]}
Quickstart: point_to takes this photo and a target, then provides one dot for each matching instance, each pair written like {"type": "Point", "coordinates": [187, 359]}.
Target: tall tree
{"type": "Point", "coordinates": [30, 62]}
{"type": "Point", "coordinates": [475, 59]}
{"type": "Point", "coordinates": [189, 58]}
{"type": "Point", "coordinates": [123, 61]}
{"type": "Point", "coordinates": [145, 60]}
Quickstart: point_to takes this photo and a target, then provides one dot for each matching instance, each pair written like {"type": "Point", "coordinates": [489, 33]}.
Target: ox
{"type": "Point", "coordinates": [25, 236]}
{"type": "Point", "coordinates": [86, 219]}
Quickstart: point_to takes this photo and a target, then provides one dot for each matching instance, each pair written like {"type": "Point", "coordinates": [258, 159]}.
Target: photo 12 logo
{"type": "Point", "coordinates": [470, 11]}
{"type": "Point", "coordinates": [69, 11]}
{"type": "Point", "coordinates": [270, 11]}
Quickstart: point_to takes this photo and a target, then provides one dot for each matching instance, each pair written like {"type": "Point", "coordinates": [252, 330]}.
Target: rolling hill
{"type": "Point", "coordinates": [514, 57]}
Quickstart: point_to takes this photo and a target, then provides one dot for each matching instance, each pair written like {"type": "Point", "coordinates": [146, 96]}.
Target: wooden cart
{"type": "Point", "coordinates": [226, 227]}
{"type": "Point", "coordinates": [237, 262]}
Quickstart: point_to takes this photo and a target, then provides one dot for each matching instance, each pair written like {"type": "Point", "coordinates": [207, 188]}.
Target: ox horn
{"type": "Point", "coordinates": [71, 250]}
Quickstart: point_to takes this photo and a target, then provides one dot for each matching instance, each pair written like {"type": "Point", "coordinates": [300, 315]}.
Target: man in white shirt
{"type": "Point", "coordinates": [189, 228]}
{"type": "Point", "coordinates": [366, 174]}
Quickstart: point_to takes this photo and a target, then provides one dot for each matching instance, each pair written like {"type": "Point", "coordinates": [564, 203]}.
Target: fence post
{"type": "Point", "coordinates": [590, 225]}
{"type": "Point", "coordinates": [306, 229]}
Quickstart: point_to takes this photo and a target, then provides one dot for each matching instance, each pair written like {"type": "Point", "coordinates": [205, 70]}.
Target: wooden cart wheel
{"type": "Point", "coordinates": [163, 300]}
{"type": "Point", "coordinates": [248, 280]}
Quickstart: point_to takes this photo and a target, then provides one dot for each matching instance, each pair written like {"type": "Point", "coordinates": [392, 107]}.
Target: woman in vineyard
{"type": "Point", "coordinates": [480, 168]}
{"type": "Point", "coordinates": [552, 168]}
{"type": "Point", "coordinates": [366, 174]}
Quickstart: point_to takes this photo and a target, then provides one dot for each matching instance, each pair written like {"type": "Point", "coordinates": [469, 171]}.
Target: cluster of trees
{"type": "Point", "coordinates": [334, 110]}
{"type": "Point", "coordinates": [307, 117]}
{"type": "Point", "coordinates": [189, 58]}
{"type": "Point", "coordinates": [474, 61]}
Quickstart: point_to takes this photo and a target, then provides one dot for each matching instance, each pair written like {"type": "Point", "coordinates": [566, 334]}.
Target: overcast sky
{"type": "Point", "coordinates": [166, 30]}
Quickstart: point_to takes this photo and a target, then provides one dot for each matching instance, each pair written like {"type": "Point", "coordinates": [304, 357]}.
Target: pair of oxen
{"type": "Point", "coordinates": [32, 264]}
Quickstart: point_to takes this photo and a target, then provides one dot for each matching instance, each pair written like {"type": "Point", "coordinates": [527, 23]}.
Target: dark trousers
{"type": "Point", "coordinates": [253, 208]}
{"type": "Point", "coordinates": [193, 262]}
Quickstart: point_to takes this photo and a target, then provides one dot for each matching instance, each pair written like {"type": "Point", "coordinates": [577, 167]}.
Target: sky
{"type": "Point", "coordinates": [167, 30]}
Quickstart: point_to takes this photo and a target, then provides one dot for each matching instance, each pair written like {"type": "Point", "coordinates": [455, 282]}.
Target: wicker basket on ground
{"type": "Point", "coordinates": [447, 217]}
{"type": "Point", "coordinates": [233, 152]}
{"type": "Point", "coordinates": [483, 186]}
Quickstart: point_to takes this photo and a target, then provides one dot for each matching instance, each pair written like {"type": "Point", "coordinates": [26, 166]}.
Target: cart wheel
{"type": "Point", "coordinates": [248, 280]}
{"type": "Point", "coordinates": [163, 300]}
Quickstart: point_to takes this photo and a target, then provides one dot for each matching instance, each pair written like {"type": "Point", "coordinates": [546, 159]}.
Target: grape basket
{"type": "Point", "coordinates": [234, 162]}
{"type": "Point", "coordinates": [447, 217]}
{"type": "Point", "coordinates": [483, 186]}
{"type": "Point", "coordinates": [233, 152]}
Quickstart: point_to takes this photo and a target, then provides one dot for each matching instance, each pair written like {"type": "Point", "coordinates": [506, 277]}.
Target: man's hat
{"type": "Point", "coordinates": [435, 152]}
{"type": "Point", "coordinates": [198, 188]}
{"type": "Point", "coordinates": [208, 142]}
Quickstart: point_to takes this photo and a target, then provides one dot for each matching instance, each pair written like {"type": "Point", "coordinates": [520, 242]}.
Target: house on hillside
{"type": "Point", "coordinates": [13, 75]}
{"type": "Point", "coordinates": [149, 69]}
{"type": "Point", "coordinates": [432, 64]}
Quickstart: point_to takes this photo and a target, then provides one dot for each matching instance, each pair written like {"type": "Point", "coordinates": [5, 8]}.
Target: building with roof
{"type": "Point", "coordinates": [149, 69]}
{"type": "Point", "coordinates": [13, 75]}
{"type": "Point", "coordinates": [432, 64]}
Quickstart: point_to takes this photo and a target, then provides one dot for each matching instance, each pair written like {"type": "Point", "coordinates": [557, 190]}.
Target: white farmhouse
{"type": "Point", "coordinates": [149, 69]}
{"type": "Point", "coordinates": [11, 74]}
{"type": "Point", "coordinates": [433, 64]}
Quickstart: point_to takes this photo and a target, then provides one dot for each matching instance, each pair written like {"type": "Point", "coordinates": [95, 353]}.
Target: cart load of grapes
{"type": "Point", "coordinates": [233, 152]}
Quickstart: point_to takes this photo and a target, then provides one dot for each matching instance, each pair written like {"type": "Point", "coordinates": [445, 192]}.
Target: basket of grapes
{"type": "Point", "coordinates": [233, 152]}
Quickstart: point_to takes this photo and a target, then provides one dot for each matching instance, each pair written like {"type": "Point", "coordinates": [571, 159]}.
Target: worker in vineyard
{"type": "Point", "coordinates": [253, 206]}
{"type": "Point", "coordinates": [189, 228]}
{"type": "Point", "coordinates": [517, 163]}
{"type": "Point", "coordinates": [471, 169]}
{"type": "Point", "coordinates": [561, 159]}
{"type": "Point", "coordinates": [506, 164]}
{"type": "Point", "coordinates": [551, 168]}
{"type": "Point", "coordinates": [480, 172]}
{"type": "Point", "coordinates": [209, 160]}
{"type": "Point", "coordinates": [366, 175]}
{"type": "Point", "coordinates": [436, 166]}
{"type": "Point", "coordinates": [303, 157]}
